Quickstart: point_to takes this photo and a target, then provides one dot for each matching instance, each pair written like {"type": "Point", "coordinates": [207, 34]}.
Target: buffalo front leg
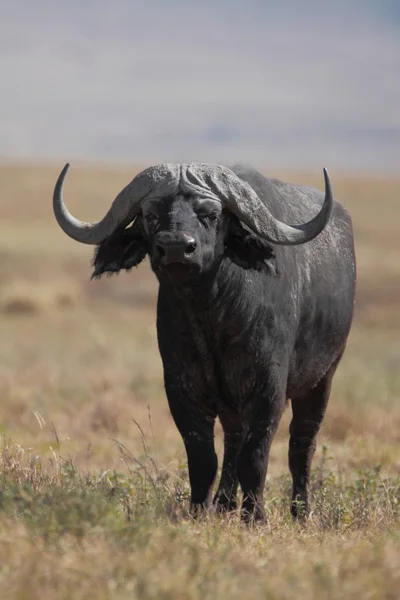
{"type": "Point", "coordinates": [308, 413]}
{"type": "Point", "coordinates": [197, 431]}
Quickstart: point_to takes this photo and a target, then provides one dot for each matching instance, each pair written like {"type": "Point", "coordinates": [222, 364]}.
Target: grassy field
{"type": "Point", "coordinates": [93, 481]}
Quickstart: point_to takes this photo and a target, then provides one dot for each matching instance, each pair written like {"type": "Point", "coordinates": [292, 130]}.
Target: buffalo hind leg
{"type": "Point", "coordinates": [225, 499]}
{"type": "Point", "coordinates": [253, 458]}
{"type": "Point", "coordinates": [308, 413]}
{"type": "Point", "coordinates": [202, 465]}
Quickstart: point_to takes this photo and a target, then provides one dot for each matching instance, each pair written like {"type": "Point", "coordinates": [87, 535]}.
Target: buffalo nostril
{"type": "Point", "coordinates": [161, 250]}
{"type": "Point", "coordinates": [190, 248]}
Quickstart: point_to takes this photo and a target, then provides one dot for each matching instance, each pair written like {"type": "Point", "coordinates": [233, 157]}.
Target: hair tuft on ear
{"type": "Point", "coordinates": [124, 250]}
{"type": "Point", "coordinates": [248, 250]}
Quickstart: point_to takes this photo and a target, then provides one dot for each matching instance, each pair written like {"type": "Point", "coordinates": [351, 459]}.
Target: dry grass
{"type": "Point", "coordinates": [89, 508]}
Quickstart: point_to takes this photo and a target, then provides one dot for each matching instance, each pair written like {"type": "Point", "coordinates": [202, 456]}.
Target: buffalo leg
{"type": "Point", "coordinates": [197, 431]}
{"type": "Point", "coordinates": [225, 498]}
{"type": "Point", "coordinates": [308, 413]}
{"type": "Point", "coordinates": [203, 465]}
{"type": "Point", "coordinates": [253, 458]}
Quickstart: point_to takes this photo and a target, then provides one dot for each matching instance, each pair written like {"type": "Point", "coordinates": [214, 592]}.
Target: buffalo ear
{"type": "Point", "coordinates": [124, 249]}
{"type": "Point", "coordinates": [248, 250]}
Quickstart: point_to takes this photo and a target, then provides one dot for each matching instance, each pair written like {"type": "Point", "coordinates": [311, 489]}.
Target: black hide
{"type": "Point", "coordinates": [243, 327]}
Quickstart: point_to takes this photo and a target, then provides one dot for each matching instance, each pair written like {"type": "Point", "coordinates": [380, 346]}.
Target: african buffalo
{"type": "Point", "coordinates": [251, 311]}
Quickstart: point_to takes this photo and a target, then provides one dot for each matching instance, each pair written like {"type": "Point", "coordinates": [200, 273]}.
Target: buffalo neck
{"type": "Point", "coordinates": [231, 298]}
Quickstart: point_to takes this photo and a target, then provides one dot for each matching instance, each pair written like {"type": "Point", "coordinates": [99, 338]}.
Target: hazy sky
{"type": "Point", "coordinates": [283, 83]}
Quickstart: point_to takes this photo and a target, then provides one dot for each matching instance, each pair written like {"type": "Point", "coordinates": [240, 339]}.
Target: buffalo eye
{"type": "Point", "coordinates": [207, 218]}
{"type": "Point", "coordinates": [152, 220]}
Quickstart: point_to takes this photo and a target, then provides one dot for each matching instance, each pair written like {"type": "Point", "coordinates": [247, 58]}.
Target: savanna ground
{"type": "Point", "coordinates": [93, 481]}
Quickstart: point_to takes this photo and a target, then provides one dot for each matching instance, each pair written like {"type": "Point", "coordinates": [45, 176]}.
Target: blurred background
{"type": "Point", "coordinates": [114, 86]}
{"type": "Point", "coordinates": [93, 478]}
{"type": "Point", "coordinates": [278, 84]}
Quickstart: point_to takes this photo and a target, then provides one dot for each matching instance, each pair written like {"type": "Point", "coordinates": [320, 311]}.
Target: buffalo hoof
{"type": "Point", "coordinates": [254, 516]}
{"type": "Point", "coordinates": [225, 503]}
{"type": "Point", "coordinates": [300, 510]}
{"type": "Point", "coordinates": [200, 511]}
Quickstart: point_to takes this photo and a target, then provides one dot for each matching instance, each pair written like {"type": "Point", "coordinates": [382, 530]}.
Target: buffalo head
{"type": "Point", "coordinates": [186, 217]}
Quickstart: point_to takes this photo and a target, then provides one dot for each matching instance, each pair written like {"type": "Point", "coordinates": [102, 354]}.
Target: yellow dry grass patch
{"type": "Point", "coordinates": [79, 365]}
{"type": "Point", "coordinates": [23, 298]}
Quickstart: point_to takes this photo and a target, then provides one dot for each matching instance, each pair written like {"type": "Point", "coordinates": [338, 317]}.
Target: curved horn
{"type": "Point", "coordinates": [122, 211]}
{"type": "Point", "coordinates": [240, 199]}
{"type": "Point", "coordinates": [220, 183]}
